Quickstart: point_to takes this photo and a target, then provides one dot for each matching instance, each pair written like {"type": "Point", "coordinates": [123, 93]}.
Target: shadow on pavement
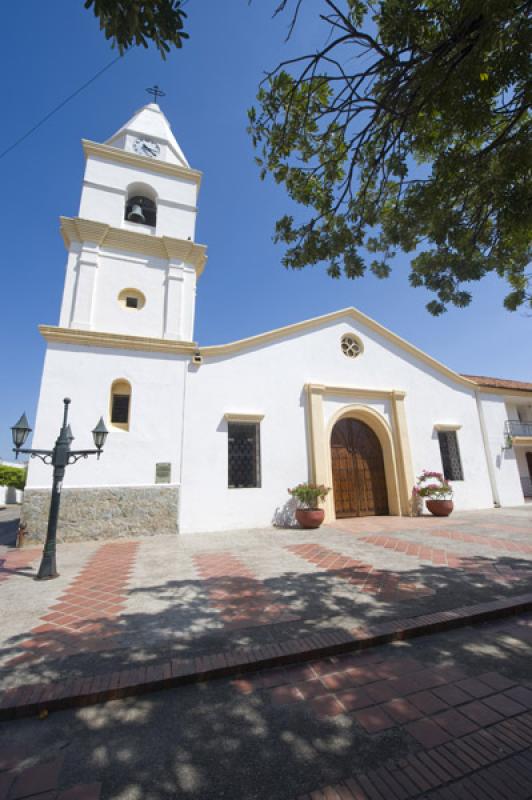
{"type": "Point", "coordinates": [183, 620]}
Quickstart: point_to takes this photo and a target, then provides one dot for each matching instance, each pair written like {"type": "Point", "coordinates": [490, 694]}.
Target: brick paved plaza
{"type": "Point", "coordinates": [137, 601]}
{"type": "Point", "coordinates": [394, 721]}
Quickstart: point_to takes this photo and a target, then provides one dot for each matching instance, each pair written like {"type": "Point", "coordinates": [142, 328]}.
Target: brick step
{"type": "Point", "coordinates": [30, 699]}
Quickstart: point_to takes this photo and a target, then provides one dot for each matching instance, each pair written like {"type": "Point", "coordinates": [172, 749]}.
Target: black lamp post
{"type": "Point", "coordinates": [60, 457]}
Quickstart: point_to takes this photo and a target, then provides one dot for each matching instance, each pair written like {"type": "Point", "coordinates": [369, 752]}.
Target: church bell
{"type": "Point", "coordinates": [136, 215]}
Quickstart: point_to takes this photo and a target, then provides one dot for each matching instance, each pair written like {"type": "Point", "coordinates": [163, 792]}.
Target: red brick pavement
{"type": "Point", "coordinates": [243, 601]}
{"type": "Point", "coordinates": [473, 735]}
{"type": "Point", "coordinates": [485, 541]}
{"type": "Point", "coordinates": [83, 616]}
{"type": "Point", "coordinates": [386, 585]}
{"type": "Point", "coordinates": [16, 561]}
{"type": "Point", "coordinates": [498, 573]}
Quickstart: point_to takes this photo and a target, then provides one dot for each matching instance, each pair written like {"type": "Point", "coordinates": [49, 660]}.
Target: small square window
{"type": "Point", "coordinates": [244, 455]}
{"type": "Point", "coordinates": [132, 302]}
{"type": "Point", "coordinates": [450, 456]}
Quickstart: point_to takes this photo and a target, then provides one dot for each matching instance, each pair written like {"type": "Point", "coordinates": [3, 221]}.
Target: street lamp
{"type": "Point", "coordinates": [60, 457]}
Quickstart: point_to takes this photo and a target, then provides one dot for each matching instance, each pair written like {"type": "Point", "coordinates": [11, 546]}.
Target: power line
{"type": "Point", "coordinates": [59, 107]}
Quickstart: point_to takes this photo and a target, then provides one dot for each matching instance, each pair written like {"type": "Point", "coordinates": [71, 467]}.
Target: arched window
{"type": "Point", "coordinates": [120, 404]}
{"type": "Point", "coordinates": [141, 206]}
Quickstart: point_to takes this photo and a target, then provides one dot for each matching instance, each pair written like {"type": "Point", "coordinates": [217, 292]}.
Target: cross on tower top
{"type": "Point", "coordinates": [156, 92]}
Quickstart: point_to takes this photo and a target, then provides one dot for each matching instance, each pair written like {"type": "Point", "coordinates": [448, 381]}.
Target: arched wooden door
{"type": "Point", "coordinates": [359, 481]}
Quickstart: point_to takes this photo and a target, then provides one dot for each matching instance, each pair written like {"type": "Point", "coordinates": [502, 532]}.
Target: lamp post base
{"type": "Point", "coordinates": [47, 570]}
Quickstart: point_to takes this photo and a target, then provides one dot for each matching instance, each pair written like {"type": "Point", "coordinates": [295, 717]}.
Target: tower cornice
{"type": "Point", "coordinates": [116, 341]}
{"type": "Point", "coordinates": [109, 153]}
{"type": "Point", "coordinates": [76, 229]}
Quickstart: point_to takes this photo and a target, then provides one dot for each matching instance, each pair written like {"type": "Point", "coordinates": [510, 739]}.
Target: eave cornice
{"type": "Point", "coordinates": [116, 341]}
{"type": "Point", "coordinates": [509, 394]}
{"type": "Point", "coordinates": [76, 229]}
{"type": "Point", "coordinates": [108, 153]}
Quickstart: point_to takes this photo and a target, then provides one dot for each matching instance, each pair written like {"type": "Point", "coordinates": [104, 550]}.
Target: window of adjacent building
{"type": "Point", "coordinates": [120, 404]}
{"type": "Point", "coordinates": [450, 456]}
{"type": "Point", "coordinates": [243, 455]}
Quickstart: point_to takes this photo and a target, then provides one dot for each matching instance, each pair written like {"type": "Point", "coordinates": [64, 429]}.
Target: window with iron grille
{"type": "Point", "coordinates": [120, 408]}
{"type": "Point", "coordinates": [450, 456]}
{"type": "Point", "coordinates": [244, 455]}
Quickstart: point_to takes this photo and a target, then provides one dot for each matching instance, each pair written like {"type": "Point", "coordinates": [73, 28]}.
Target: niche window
{"type": "Point", "coordinates": [243, 455]}
{"type": "Point", "coordinates": [120, 404]}
{"type": "Point", "coordinates": [450, 456]}
{"type": "Point", "coordinates": [132, 298]}
{"type": "Point", "coordinates": [141, 210]}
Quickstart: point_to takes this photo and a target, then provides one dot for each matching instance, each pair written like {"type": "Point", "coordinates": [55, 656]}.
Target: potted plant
{"type": "Point", "coordinates": [436, 491]}
{"type": "Point", "coordinates": [307, 494]}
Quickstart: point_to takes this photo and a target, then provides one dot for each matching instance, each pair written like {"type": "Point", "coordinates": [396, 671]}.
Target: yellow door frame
{"type": "Point", "coordinates": [393, 439]}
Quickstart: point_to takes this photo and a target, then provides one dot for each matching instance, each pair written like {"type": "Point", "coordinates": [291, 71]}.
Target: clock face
{"type": "Point", "coordinates": [144, 147]}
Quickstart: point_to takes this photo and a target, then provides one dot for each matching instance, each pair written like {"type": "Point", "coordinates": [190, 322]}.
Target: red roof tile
{"type": "Point", "coordinates": [499, 383]}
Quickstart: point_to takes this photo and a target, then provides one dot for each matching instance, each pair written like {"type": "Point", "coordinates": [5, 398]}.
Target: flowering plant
{"type": "Point", "coordinates": [308, 494]}
{"type": "Point", "coordinates": [432, 486]}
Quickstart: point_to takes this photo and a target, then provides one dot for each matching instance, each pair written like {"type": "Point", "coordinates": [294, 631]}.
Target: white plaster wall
{"type": "Point", "coordinates": [129, 457]}
{"type": "Point", "coordinates": [269, 379]}
{"type": "Point", "coordinates": [118, 271]}
{"type": "Point", "coordinates": [161, 317]}
{"type": "Point", "coordinates": [104, 194]}
{"type": "Point", "coordinates": [496, 412]}
{"type": "Point", "coordinates": [69, 286]}
{"type": "Point", "coordinates": [332, 404]}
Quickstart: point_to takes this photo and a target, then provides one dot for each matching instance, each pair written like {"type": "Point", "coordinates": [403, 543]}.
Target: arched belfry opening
{"type": "Point", "coordinates": [141, 205]}
{"type": "Point", "coordinates": [358, 472]}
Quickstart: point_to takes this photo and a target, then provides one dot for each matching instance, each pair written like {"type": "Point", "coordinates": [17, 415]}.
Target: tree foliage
{"type": "Point", "coordinates": [134, 22]}
{"type": "Point", "coordinates": [12, 476]}
{"type": "Point", "coordinates": [409, 129]}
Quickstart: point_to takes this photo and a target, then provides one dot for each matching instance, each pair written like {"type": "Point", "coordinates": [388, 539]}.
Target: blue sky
{"type": "Point", "coordinates": [48, 51]}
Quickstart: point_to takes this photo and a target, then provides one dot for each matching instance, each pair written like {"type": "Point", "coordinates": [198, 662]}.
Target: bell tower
{"type": "Point", "coordinates": [133, 261]}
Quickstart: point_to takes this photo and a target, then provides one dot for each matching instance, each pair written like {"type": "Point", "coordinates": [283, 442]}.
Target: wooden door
{"type": "Point", "coordinates": [359, 482]}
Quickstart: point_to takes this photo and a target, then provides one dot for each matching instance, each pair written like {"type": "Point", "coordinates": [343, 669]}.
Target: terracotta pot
{"type": "Point", "coordinates": [310, 517]}
{"type": "Point", "coordinates": [440, 508]}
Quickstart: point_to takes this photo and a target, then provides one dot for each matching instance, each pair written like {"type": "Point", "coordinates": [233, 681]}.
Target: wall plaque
{"type": "Point", "coordinates": [163, 472]}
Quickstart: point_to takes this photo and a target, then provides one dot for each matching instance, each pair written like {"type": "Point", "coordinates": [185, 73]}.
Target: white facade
{"type": "Point", "coordinates": [293, 383]}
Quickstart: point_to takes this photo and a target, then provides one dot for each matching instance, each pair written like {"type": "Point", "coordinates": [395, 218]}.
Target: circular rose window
{"type": "Point", "coordinates": [351, 346]}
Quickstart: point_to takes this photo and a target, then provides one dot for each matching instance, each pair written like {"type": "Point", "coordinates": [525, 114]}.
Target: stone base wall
{"type": "Point", "coordinates": [103, 512]}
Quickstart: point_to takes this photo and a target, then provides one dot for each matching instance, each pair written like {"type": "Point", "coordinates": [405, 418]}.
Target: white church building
{"type": "Point", "coordinates": [209, 438]}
